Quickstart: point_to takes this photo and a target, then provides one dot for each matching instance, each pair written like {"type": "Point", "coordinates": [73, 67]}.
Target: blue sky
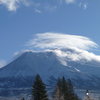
{"type": "Point", "coordinates": [20, 20]}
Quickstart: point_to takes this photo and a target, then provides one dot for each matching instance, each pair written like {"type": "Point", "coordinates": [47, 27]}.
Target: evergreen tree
{"type": "Point", "coordinates": [64, 90]}
{"type": "Point", "coordinates": [58, 91]}
{"type": "Point", "coordinates": [22, 98]}
{"type": "Point", "coordinates": [71, 94]}
{"type": "Point", "coordinates": [39, 90]}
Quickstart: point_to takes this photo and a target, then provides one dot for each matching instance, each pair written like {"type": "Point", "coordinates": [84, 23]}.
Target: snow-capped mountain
{"type": "Point", "coordinates": [52, 63]}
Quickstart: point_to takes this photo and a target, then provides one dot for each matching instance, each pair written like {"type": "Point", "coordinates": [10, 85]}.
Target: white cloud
{"type": "Point", "coordinates": [2, 63]}
{"type": "Point", "coordinates": [38, 11]}
{"type": "Point", "coordinates": [12, 5]}
{"type": "Point", "coordinates": [83, 5]}
{"type": "Point", "coordinates": [70, 47]}
{"type": "Point", "coordinates": [56, 40]}
{"type": "Point", "coordinates": [70, 1]}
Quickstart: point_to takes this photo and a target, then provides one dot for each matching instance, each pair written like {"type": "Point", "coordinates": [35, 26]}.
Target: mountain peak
{"type": "Point", "coordinates": [49, 63]}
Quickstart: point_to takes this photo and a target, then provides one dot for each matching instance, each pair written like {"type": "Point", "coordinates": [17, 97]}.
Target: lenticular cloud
{"type": "Point", "coordinates": [72, 47]}
{"type": "Point", "coordinates": [61, 41]}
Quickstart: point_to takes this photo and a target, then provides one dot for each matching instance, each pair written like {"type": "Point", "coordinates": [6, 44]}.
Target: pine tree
{"type": "Point", "coordinates": [71, 94]}
{"type": "Point", "coordinates": [22, 98]}
{"type": "Point", "coordinates": [64, 90]}
{"type": "Point", "coordinates": [58, 91]}
{"type": "Point", "coordinates": [39, 90]}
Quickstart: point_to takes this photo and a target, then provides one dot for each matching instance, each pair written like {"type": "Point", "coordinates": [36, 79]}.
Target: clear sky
{"type": "Point", "coordinates": [20, 19]}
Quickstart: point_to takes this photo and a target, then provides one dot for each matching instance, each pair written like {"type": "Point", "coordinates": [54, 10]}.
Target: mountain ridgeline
{"type": "Point", "coordinates": [21, 71]}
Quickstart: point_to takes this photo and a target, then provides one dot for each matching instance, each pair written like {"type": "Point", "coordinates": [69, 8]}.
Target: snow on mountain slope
{"type": "Point", "coordinates": [52, 63]}
{"type": "Point", "coordinates": [31, 63]}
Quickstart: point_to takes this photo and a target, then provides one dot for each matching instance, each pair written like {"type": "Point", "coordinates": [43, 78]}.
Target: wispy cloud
{"type": "Point", "coordinates": [83, 5]}
{"type": "Point", "coordinates": [2, 63]}
{"type": "Point", "coordinates": [72, 47]}
{"type": "Point", "coordinates": [12, 5]}
{"type": "Point", "coordinates": [70, 1]}
{"type": "Point", "coordinates": [38, 11]}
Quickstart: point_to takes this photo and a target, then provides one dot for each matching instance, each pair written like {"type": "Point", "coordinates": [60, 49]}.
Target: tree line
{"type": "Point", "coordinates": [63, 90]}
